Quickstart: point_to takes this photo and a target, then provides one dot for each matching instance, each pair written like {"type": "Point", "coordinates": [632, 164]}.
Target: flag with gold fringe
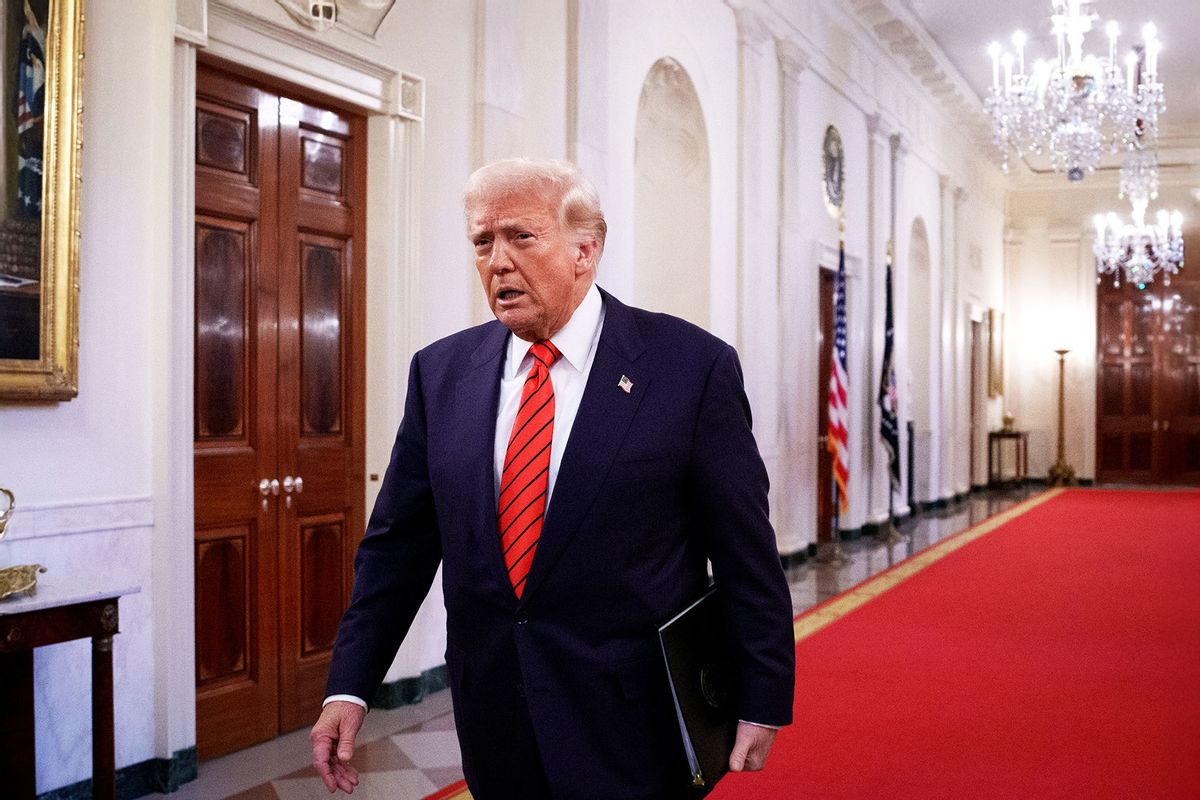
{"type": "Point", "coordinates": [838, 440]}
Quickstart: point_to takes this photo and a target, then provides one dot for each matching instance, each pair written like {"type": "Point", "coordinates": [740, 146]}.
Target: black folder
{"type": "Point", "coordinates": [703, 679]}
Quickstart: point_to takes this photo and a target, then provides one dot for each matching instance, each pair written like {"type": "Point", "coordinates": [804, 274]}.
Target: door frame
{"type": "Point", "coordinates": [393, 102]}
{"type": "Point", "coordinates": [824, 495]}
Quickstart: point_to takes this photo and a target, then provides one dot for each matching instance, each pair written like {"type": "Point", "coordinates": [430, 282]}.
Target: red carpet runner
{"type": "Point", "coordinates": [1052, 652]}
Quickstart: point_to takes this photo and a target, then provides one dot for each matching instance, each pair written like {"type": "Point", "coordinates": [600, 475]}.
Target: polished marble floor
{"type": "Point", "coordinates": [410, 752]}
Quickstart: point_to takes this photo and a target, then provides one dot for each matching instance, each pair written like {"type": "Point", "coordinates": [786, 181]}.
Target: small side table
{"type": "Point", "coordinates": [997, 441]}
{"type": "Point", "coordinates": [56, 613]}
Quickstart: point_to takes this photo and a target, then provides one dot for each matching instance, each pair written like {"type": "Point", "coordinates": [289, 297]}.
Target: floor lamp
{"type": "Point", "coordinates": [1061, 473]}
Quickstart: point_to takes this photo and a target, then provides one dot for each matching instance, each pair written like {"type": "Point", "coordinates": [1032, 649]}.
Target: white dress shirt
{"type": "Point", "coordinates": [577, 343]}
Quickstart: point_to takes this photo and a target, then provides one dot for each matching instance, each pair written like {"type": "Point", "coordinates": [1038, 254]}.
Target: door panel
{"type": "Point", "coordinates": [237, 692]}
{"type": "Point", "coordinates": [224, 614]}
{"type": "Point", "coordinates": [222, 335]}
{"type": "Point", "coordinates": [320, 407]}
{"type": "Point", "coordinates": [1148, 381]}
{"type": "Point", "coordinates": [281, 184]}
{"type": "Point", "coordinates": [322, 571]}
{"type": "Point", "coordinates": [1126, 321]}
{"type": "Point", "coordinates": [321, 342]}
{"type": "Point", "coordinates": [1181, 376]}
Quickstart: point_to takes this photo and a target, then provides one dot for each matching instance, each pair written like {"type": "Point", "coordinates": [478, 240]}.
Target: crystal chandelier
{"type": "Point", "coordinates": [1076, 107]}
{"type": "Point", "coordinates": [1139, 177]}
{"type": "Point", "coordinates": [1139, 251]}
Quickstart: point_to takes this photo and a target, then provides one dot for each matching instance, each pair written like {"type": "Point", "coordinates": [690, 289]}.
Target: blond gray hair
{"type": "Point", "coordinates": [578, 201]}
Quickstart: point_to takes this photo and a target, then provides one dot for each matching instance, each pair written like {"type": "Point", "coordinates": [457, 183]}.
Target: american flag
{"type": "Point", "coordinates": [838, 441]}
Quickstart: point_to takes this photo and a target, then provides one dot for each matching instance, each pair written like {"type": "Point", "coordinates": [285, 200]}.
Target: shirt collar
{"type": "Point", "coordinates": [574, 340]}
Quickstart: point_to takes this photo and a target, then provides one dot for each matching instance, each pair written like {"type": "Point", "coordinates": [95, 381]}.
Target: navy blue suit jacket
{"type": "Point", "coordinates": [652, 483]}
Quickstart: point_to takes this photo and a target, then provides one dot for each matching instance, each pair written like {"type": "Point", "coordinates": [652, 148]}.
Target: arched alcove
{"type": "Point", "coordinates": [918, 351]}
{"type": "Point", "coordinates": [672, 196]}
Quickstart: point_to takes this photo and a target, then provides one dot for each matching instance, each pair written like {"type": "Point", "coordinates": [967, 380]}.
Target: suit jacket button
{"type": "Point", "coordinates": [522, 618]}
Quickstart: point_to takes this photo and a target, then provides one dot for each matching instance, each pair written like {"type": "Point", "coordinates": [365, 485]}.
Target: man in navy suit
{"type": "Point", "coordinates": [574, 466]}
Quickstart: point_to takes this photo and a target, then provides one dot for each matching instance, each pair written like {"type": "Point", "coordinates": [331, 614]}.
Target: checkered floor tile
{"type": "Point", "coordinates": [409, 765]}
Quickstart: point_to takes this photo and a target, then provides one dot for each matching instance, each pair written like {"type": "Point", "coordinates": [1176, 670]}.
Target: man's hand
{"type": "Point", "coordinates": [750, 748]}
{"type": "Point", "coordinates": [333, 744]}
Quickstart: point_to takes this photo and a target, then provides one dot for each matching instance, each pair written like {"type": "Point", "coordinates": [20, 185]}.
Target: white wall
{"type": "Point", "coordinates": [501, 78]}
{"type": "Point", "coordinates": [82, 471]}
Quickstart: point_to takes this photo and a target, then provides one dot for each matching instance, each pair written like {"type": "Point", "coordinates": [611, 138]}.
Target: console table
{"type": "Point", "coordinates": [1020, 447]}
{"type": "Point", "coordinates": [58, 612]}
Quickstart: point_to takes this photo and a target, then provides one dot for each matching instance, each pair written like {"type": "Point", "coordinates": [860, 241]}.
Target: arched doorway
{"type": "Point", "coordinates": [672, 196]}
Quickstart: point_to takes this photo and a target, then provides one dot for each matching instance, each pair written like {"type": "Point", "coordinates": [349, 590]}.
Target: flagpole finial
{"type": "Point", "coordinates": [842, 228]}
{"type": "Point", "coordinates": [890, 251]}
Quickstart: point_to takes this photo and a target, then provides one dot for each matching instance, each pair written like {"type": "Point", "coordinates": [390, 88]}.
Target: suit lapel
{"type": "Point", "coordinates": [600, 426]}
{"type": "Point", "coordinates": [478, 396]}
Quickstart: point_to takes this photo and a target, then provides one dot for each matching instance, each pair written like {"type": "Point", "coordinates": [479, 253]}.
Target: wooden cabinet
{"type": "Point", "coordinates": [58, 612]}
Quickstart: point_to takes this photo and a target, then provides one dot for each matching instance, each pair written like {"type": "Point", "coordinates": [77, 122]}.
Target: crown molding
{"type": "Point", "coordinates": [794, 59]}
{"type": "Point", "coordinates": [292, 53]}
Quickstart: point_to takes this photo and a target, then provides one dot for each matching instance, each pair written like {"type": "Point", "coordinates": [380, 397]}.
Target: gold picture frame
{"type": "Point", "coordinates": [995, 327]}
{"type": "Point", "coordinates": [39, 296]}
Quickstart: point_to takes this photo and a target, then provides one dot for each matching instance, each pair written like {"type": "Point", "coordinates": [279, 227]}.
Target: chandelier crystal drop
{"type": "Point", "coordinates": [1139, 177]}
{"type": "Point", "coordinates": [1138, 252]}
{"type": "Point", "coordinates": [1075, 107]}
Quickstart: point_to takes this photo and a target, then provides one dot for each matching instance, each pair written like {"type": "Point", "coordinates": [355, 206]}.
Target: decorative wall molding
{"type": "Point", "coordinates": [878, 127]}
{"type": "Point", "coordinates": [78, 517]}
{"type": "Point", "coordinates": [191, 21]}
{"type": "Point", "coordinates": [754, 31]}
{"type": "Point", "coordinates": [1071, 236]}
{"type": "Point", "coordinates": [297, 56]}
{"type": "Point", "coordinates": [902, 33]}
{"type": "Point", "coordinates": [794, 60]}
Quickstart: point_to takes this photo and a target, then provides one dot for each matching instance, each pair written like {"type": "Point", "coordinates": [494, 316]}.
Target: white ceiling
{"type": "Point", "coordinates": [964, 29]}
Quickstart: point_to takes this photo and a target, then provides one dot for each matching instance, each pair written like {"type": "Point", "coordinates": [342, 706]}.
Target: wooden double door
{"type": "Point", "coordinates": [279, 408]}
{"type": "Point", "coordinates": [1148, 380]}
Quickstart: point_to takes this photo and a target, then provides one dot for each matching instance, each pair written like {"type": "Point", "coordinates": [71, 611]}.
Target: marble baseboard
{"type": "Point", "coordinates": [162, 775]}
{"type": "Point", "coordinates": [408, 691]}
{"type": "Point", "coordinates": [799, 557]}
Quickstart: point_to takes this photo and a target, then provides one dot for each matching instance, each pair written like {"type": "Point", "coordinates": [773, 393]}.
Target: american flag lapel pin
{"type": "Point", "coordinates": [625, 384]}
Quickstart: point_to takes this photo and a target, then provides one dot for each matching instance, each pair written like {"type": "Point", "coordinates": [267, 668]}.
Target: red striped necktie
{"type": "Point", "coordinates": [526, 475]}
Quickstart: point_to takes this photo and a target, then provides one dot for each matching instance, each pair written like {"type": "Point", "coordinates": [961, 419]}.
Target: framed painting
{"type": "Point", "coordinates": [40, 108]}
{"type": "Point", "coordinates": [995, 326]}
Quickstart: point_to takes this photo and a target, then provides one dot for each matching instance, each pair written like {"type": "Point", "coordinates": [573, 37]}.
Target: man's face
{"type": "Point", "coordinates": [534, 272]}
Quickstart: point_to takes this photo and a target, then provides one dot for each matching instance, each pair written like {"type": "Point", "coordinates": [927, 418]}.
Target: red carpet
{"type": "Point", "coordinates": [1052, 655]}
{"type": "Point", "coordinates": [455, 791]}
